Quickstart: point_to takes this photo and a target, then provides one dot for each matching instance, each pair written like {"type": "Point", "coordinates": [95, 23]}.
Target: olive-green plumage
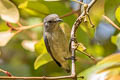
{"type": "Point", "coordinates": [56, 42]}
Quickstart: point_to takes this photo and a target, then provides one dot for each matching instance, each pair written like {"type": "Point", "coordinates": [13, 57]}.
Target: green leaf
{"type": "Point", "coordinates": [118, 41]}
{"type": "Point", "coordinates": [34, 8]}
{"type": "Point", "coordinates": [103, 68]}
{"type": "Point", "coordinates": [114, 39]}
{"type": "Point", "coordinates": [117, 14]}
{"type": "Point", "coordinates": [110, 7]}
{"type": "Point", "coordinates": [23, 5]}
{"type": "Point", "coordinates": [43, 55]}
{"type": "Point", "coordinates": [41, 60]}
{"type": "Point", "coordinates": [8, 11]}
{"type": "Point", "coordinates": [40, 47]}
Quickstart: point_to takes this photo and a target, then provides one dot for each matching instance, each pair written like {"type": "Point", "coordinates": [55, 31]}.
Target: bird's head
{"type": "Point", "coordinates": [51, 21]}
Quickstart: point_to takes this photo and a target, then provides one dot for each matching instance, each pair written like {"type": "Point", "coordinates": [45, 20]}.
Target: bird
{"type": "Point", "coordinates": [56, 41]}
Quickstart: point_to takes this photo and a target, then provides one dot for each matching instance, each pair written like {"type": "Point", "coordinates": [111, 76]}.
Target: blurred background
{"type": "Point", "coordinates": [25, 54]}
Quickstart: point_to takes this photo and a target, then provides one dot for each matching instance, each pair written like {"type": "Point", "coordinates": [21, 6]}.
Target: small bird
{"type": "Point", "coordinates": [56, 41]}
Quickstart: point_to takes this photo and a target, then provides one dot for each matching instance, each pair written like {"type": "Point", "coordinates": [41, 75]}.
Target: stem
{"type": "Point", "coordinates": [73, 32]}
{"type": "Point", "coordinates": [111, 22]}
{"type": "Point", "coordinates": [39, 78]}
{"type": "Point", "coordinates": [29, 27]}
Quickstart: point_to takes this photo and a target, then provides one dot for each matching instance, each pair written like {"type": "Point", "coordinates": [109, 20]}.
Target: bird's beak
{"type": "Point", "coordinates": [59, 20]}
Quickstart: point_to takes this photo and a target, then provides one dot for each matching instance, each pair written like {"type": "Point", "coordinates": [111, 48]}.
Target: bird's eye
{"type": "Point", "coordinates": [50, 21]}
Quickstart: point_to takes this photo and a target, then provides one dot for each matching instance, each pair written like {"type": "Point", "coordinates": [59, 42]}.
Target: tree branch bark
{"type": "Point", "coordinates": [73, 34]}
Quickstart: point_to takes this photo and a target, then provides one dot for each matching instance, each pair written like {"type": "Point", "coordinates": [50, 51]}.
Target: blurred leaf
{"type": "Point", "coordinates": [33, 21]}
{"type": "Point", "coordinates": [23, 5]}
{"type": "Point", "coordinates": [29, 45]}
{"type": "Point", "coordinates": [114, 77]}
{"type": "Point", "coordinates": [96, 50]}
{"type": "Point", "coordinates": [41, 60]}
{"type": "Point", "coordinates": [110, 7]}
{"type": "Point", "coordinates": [8, 11]}
{"type": "Point", "coordinates": [5, 37]}
{"type": "Point", "coordinates": [52, 0]}
{"type": "Point", "coordinates": [103, 69]}
{"type": "Point", "coordinates": [111, 58]}
{"type": "Point", "coordinates": [34, 8]}
{"type": "Point", "coordinates": [118, 41]}
{"type": "Point", "coordinates": [117, 14]}
{"type": "Point", "coordinates": [18, 2]}
{"type": "Point", "coordinates": [40, 47]}
{"type": "Point", "coordinates": [3, 26]}
{"type": "Point", "coordinates": [114, 39]}
{"type": "Point", "coordinates": [43, 55]}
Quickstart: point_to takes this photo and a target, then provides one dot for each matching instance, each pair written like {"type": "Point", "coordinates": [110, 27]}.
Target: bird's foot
{"type": "Point", "coordinates": [71, 58]}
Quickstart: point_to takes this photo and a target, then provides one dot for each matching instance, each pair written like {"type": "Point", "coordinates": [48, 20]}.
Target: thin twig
{"type": "Point", "coordinates": [19, 24]}
{"type": "Point", "coordinates": [29, 27]}
{"type": "Point", "coordinates": [70, 13]}
{"type": "Point", "coordinates": [111, 22]}
{"type": "Point", "coordinates": [11, 26]}
{"type": "Point", "coordinates": [39, 78]}
{"type": "Point", "coordinates": [78, 1]}
{"type": "Point", "coordinates": [90, 56]}
{"type": "Point", "coordinates": [90, 21]}
{"type": "Point", "coordinates": [6, 72]}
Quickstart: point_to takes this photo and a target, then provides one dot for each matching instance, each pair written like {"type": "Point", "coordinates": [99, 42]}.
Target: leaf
{"type": "Point", "coordinates": [108, 67]}
{"type": "Point", "coordinates": [81, 47]}
{"type": "Point", "coordinates": [8, 11]}
{"type": "Point", "coordinates": [110, 7]}
{"type": "Point", "coordinates": [41, 60]}
{"type": "Point", "coordinates": [111, 58]}
{"type": "Point", "coordinates": [40, 47]}
{"type": "Point", "coordinates": [29, 45]}
{"type": "Point", "coordinates": [118, 41]}
{"type": "Point", "coordinates": [114, 39]}
{"type": "Point", "coordinates": [117, 14]}
{"type": "Point", "coordinates": [43, 55]}
{"type": "Point", "coordinates": [5, 37]}
{"type": "Point", "coordinates": [23, 5]}
{"type": "Point", "coordinates": [34, 8]}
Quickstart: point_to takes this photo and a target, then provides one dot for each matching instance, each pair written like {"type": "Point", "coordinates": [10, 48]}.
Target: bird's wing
{"type": "Point", "coordinates": [48, 49]}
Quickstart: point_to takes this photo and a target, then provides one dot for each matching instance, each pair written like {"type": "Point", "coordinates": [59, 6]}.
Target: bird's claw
{"type": "Point", "coordinates": [71, 58]}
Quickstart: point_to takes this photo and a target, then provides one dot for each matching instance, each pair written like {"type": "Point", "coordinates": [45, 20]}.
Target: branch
{"type": "Point", "coordinates": [39, 78]}
{"type": "Point", "coordinates": [73, 32]}
{"type": "Point", "coordinates": [70, 13]}
{"type": "Point", "coordinates": [111, 22]}
{"type": "Point", "coordinates": [6, 72]}
{"type": "Point", "coordinates": [29, 27]}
